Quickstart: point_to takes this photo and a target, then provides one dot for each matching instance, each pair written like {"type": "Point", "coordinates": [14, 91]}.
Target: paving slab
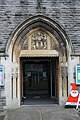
{"type": "Point", "coordinates": [53, 112]}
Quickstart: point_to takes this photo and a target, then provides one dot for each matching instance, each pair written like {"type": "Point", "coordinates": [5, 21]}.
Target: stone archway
{"type": "Point", "coordinates": [39, 46]}
{"type": "Point", "coordinates": [42, 22]}
{"type": "Point", "coordinates": [51, 41]}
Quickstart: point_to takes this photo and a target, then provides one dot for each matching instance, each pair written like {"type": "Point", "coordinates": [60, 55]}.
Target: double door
{"type": "Point", "coordinates": [39, 79]}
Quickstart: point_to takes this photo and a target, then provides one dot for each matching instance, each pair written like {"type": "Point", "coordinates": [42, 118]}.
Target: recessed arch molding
{"type": "Point", "coordinates": [38, 21]}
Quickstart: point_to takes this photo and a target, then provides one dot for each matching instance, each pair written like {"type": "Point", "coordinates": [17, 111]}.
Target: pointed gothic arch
{"type": "Point", "coordinates": [41, 22]}
{"type": "Point", "coordinates": [22, 39]}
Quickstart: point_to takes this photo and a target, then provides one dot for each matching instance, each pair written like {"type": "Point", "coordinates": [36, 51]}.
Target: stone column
{"type": "Point", "coordinates": [64, 78]}
{"type": "Point", "coordinates": [60, 81]}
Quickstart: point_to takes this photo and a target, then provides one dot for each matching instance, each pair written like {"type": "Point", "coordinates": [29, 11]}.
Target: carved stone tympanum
{"type": "Point", "coordinates": [39, 41]}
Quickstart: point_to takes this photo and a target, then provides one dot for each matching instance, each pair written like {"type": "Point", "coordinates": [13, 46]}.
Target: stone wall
{"type": "Point", "coordinates": [65, 12]}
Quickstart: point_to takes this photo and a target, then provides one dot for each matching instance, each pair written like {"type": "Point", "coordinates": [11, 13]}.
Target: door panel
{"type": "Point", "coordinates": [53, 78]}
{"type": "Point", "coordinates": [35, 80]}
{"type": "Point", "coordinates": [39, 77]}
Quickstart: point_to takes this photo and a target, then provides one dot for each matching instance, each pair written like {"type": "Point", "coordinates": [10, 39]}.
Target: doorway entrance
{"type": "Point", "coordinates": [39, 77]}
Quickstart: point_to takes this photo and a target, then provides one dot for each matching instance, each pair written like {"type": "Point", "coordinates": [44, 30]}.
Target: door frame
{"type": "Point", "coordinates": [56, 77]}
{"type": "Point", "coordinates": [51, 80]}
{"type": "Point", "coordinates": [56, 84]}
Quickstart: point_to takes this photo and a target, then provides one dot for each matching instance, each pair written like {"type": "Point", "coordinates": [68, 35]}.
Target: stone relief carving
{"type": "Point", "coordinates": [39, 41]}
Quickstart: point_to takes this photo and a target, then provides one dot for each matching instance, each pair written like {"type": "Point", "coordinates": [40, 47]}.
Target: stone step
{"type": "Point", "coordinates": [2, 115]}
{"type": "Point", "coordinates": [1, 109]}
{"type": "Point", "coordinates": [42, 113]}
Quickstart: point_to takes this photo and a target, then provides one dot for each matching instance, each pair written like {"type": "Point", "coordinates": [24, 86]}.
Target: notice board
{"type": "Point", "coordinates": [1, 75]}
{"type": "Point", "coordinates": [78, 74]}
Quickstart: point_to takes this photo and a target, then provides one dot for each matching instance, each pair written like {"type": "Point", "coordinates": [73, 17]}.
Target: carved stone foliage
{"type": "Point", "coordinates": [25, 45]}
{"type": "Point", "coordinates": [39, 41]}
{"type": "Point", "coordinates": [54, 45]}
{"type": "Point", "coordinates": [64, 71]}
